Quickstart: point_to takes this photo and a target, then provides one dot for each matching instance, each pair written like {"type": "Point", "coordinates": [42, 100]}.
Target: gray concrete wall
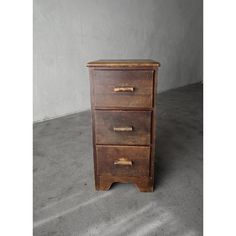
{"type": "Point", "coordinates": [69, 33]}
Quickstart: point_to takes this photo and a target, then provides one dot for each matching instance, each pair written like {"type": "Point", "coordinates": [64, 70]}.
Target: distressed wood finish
{"type": "Point", "coordinates": [122, 160]}
{"type": "Point", "coordinates": [124, 64]}
{"type": "Point", "coordinates": [123, 122]}
{"type": "Point", "coordinates": [117, 88]}
{"type": "Point", "coordinates": [123, 127]}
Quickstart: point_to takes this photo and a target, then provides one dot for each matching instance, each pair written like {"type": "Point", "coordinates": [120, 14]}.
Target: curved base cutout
{"type": "Point", "coordinates": [143, 184]}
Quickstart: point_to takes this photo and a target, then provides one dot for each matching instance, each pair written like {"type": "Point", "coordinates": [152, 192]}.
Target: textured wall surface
{"type": "Point", "coordinates": [69, 33]}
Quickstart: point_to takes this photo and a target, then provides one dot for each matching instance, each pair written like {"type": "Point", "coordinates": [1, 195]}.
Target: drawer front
{"type": "Point", "coordinates": [123, 127]}
{"type": "Point", "coordinates": [127, 88]}
{"type": "Point", "coordinates": [123, 161]}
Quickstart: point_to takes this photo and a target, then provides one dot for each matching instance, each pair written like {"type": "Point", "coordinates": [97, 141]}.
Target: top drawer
{"type": "Point", "coordinates": [123, 88]}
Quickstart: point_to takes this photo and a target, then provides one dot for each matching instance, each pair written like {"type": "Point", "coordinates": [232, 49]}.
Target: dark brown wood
{"type": "Point", "coordinates": [154, 125]}
{"type": "Point", "coordinates": [124, 63]}
{"type": "Point", "coordinates": [136, 160]}
{"type": "Point", "coordinates": [123, 127]}
{"type": "Point", "coordinates": [139, 83]}
{"type": "Point", "coordinates": [143, 183]}
{"type": "Point", "coordinates": [123, 95]}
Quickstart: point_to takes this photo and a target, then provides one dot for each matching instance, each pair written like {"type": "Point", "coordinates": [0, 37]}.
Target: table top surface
{"type": "Point", "coordinates": [125, 63]}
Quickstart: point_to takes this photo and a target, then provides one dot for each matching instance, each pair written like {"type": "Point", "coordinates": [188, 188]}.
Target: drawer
{"type": "Point", "coordinates": [127, 88]}
{"type": "Point", "coordinates": [123, 161]}
{"type": "Point", "coordinates": [123, 127]}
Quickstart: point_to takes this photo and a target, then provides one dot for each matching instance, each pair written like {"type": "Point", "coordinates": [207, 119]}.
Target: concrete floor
{"type": "Point", "coordinates": [66, 203]}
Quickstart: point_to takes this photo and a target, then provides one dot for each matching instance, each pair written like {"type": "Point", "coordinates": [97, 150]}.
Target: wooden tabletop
{"type": "Point", "coordinates": [123, 63]}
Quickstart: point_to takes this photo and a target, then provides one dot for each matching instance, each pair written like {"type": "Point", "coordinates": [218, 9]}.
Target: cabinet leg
{"type": "Point", "coordinates": [103, 185]}
{"type": "Point", "coordinates": [145, 186]}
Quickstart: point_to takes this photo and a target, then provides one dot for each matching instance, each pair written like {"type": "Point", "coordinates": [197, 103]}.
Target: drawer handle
{"type": "Point", "coordinates": [123, 129]}
{"type": "Point", "coordinates": [123, 161]}
{"type": "Point", "coordinates": [123, 89]}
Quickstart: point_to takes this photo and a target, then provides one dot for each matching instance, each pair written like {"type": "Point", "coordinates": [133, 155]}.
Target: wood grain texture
{"type": "Point", "coordinates": [106, 81]}
{"type": "Point", "coordinates": [123, 63]}
{"type": "Point", "coordinates": [108, 155]}
{"type": "Point", "coordinates": [122, 123]}
{"type": "Point", "coordinates": [143, 183]}
{"type": "Point", "coordinates": [106, 121]}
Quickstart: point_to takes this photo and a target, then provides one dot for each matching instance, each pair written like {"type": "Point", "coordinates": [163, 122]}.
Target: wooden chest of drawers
{"type": "Point", "coordinates": [123, 119]}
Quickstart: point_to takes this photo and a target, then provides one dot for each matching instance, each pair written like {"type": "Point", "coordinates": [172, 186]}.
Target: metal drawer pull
{"type": "Point", "coordinates": [123, 89]}
{"type": "Point", "coordinates": [123, 129]}
{"type": "Point", "coordinates": [123, 161]}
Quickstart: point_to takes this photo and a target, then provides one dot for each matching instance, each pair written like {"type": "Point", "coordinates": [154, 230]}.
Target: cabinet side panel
{"type": "Point", "coordinates": [154, 135]}
{"type": "Point", "coordinates": [91, 72]}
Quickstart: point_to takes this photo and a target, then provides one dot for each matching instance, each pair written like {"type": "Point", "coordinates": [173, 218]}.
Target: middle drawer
{"type": "Point", "coordinates": [123, 127]}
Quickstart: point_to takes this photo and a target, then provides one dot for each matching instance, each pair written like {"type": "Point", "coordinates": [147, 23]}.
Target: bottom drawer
{"type": "Point", "coordinates": [123, 160]}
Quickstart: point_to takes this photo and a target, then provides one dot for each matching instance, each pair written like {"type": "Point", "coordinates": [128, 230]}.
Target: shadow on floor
{"type": "Point", "coordinates": [66, 203]}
